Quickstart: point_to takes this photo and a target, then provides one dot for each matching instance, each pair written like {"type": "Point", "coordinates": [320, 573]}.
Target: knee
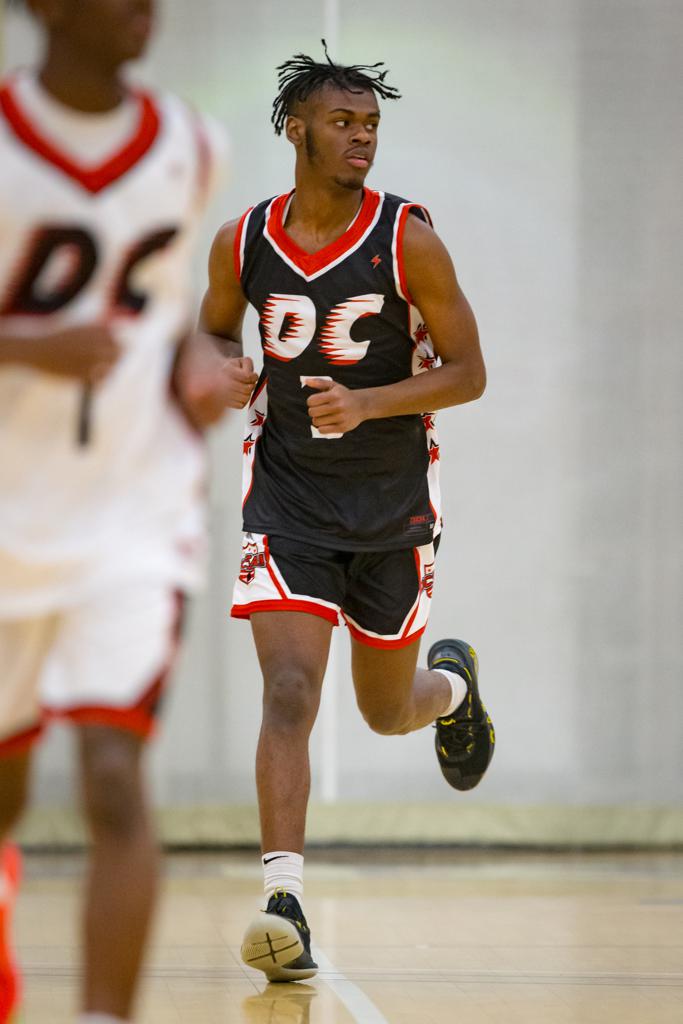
{"type": "Point", "coordinates": [114, 804]}
{"type": "Point", "coordinates": [291, 699]}
{"type": "Point", "coordinates": [387, 721]}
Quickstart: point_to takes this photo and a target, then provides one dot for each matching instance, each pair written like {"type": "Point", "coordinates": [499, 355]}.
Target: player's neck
{"type": "Point", "coordinates": [77, 83]}
{"type": "Point", "coordinates": [322, 212]}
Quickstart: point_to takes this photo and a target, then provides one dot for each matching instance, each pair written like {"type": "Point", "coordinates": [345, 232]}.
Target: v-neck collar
{"type": "Point", "coordinates": [311, 265]}
{"type": "Point", "coordinates": [92, 179]}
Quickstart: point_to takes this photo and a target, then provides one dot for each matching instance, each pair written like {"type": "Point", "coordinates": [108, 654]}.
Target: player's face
{"type": "Point", "coordinates": [341, 135]}
{"type": "Point", "coordinates": [114, 31]}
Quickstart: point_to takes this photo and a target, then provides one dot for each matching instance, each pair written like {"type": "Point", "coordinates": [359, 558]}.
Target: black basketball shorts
{"type": "Point", "coordinates": [384, 597]}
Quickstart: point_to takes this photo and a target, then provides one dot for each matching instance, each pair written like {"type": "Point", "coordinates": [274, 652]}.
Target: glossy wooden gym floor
{"type": "Point", "coordinates": [402, 938]}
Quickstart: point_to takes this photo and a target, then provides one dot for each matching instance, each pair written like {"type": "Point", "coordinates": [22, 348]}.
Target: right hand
{"type": "Point", "coordinates": [238, 381]}
{"type": "Point", "coordinates": [87, 353]}
{"type": "Point", "coordinates": [206, 383]}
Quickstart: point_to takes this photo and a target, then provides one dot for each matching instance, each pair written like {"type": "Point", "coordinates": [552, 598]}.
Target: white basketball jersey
{"type": "Point", "coordinates": [109, 240]}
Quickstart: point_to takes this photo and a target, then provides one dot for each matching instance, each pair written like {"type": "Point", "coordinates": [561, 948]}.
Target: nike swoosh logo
{"type": "Point", "coordinates": [279, 856]}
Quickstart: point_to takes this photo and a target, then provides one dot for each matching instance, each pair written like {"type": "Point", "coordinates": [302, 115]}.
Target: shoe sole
{"type": "Point", "coordinates": [269, 943]}
{"type": "Point", "coordinates": [288, 974]}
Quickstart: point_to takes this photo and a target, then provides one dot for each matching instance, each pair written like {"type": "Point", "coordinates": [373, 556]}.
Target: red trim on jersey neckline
{"type": "Point", "coordinates": [243, 611]}
{"type": "Point", "coordinates": [311, 263]}
{"type": "Point", "coordinates": [93, 179]}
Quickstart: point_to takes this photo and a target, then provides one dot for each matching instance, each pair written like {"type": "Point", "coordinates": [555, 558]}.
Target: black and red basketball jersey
{"type": "Point", "coordinates": [343, 313]}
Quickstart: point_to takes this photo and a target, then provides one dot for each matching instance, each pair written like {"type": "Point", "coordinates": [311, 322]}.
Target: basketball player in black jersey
{"type": "Point", "coordinates": [365, 333]}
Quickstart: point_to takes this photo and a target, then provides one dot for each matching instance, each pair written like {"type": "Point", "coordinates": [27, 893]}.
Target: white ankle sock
{"type": "Point", "coordinates": [458, 689]}
{"type": "Point", "coordinates": [283, 870]}
{"type": "Point", "coordinates": [100, 1018]}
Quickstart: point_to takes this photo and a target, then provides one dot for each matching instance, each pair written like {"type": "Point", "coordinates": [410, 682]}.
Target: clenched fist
{"type": "Point", "coordinates": [335, 409]}
{"type": "Point", "coordinates": [207, 383]}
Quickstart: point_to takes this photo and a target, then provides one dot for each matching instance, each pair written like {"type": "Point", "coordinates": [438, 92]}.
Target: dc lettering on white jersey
{"type": "Point", "coordinates": [82, 243]}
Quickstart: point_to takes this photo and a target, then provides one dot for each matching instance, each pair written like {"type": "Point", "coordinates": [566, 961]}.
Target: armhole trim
{"type": "Point", "coordinates": [400, 279]}
{"type": "Point", "coordinates": [239, 243]}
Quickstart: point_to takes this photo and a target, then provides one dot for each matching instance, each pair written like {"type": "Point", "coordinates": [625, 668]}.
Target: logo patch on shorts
{"type": "Point", "coordinates": [252, 559]}
{"type": "Point", "coordinates": [428, 579]}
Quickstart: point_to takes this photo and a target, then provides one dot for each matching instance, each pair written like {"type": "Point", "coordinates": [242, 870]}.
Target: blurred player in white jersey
{"type": "Point", "coordinates": [102, 390]}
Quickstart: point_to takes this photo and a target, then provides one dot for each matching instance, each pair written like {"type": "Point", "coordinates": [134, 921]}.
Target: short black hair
{"type": "Point", "coordinates": [300, 76]}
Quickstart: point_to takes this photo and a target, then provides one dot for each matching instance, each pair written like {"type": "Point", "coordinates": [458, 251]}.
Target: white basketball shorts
{"type": "Point", "coordinates": [104, 662]}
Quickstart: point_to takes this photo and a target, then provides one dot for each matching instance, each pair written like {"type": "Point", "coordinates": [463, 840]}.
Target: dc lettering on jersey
{"type": "Point", "coordinates": [289, 322]}
{"type": "Point", "coordinates": [61, 260]}
{"type": "Point", "coordinates": [336, 343]}
{"type": "Point", "coordinates": [107, 243]}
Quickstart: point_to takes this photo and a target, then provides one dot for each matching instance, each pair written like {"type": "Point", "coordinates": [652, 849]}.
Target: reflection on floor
{"type": "Point", "coordinates": [403, 938]}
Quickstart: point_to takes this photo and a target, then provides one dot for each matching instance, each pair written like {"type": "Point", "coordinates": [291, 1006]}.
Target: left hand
{"type": "Point", "coordinates": [203, 383]}
{"type": "Point", "coordinates": [335, 409]}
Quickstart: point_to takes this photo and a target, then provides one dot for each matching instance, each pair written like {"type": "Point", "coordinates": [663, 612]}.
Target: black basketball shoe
{"type": "Point", "coordinates": [465, 740]}
{"type": "Point", "coordinates": [278, 941]}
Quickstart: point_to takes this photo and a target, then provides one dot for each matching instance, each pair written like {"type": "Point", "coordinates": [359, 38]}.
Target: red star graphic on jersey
{"type": "Point", "coordinates": [421, 333]}
{"type": "Point", "coordinates": [259, 419]}
{"type": "Point", "coordinates": [376, 260]}
{"type": "Point", "coordinates": [428, 420]}
{"type": "Point", "coordinates": [427, 362]}
{"type": "Point", "coordinates": [247, 445]}
{"type": "Point", "coordinates": [433, 452]}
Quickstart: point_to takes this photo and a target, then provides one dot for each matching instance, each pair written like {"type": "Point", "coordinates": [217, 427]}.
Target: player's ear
{"type": "Point", "coordinates": [295, 130]}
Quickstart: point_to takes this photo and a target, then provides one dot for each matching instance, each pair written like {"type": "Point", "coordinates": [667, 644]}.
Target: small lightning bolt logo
{"type": "Point", "coordinates": [376, 260]}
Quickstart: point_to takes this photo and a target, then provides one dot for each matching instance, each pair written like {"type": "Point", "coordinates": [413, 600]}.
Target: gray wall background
{"type": "Point", "coordinates": [545, 137]}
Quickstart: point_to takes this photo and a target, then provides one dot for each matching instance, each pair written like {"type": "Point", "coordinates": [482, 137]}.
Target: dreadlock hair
{"type": "Point", "coordinates": [301, 75]}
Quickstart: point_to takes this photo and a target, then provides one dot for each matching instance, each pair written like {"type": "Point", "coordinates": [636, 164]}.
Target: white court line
{"type": "Point", "coordinates": [359, 1005]}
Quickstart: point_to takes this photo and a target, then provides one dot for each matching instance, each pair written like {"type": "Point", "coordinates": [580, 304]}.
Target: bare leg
{"type": "Point", "coordinates": [292, 648]}
{"type": "Point", "coordinates": [393, 695]}
{"type": "Point", "coordinates": [121, 887]}
{"type": "Point", "coordinates": [14, 780]}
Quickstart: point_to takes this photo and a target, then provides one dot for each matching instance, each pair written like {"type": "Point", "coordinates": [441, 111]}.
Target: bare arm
{"type": "Point", "coordinates": [86, 353]}
{"type": "Point", "coordinates": [211, 374]}
{"type": "Point", "coordinates": [461, 378]}
{"type": "Point", "coordinates": [224, 304]}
